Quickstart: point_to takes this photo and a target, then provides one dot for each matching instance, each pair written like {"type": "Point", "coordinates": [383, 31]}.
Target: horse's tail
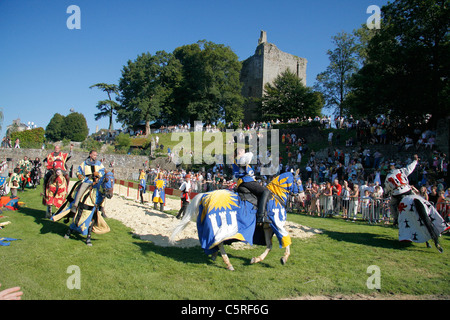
{"type": "Point", "coordinates": [190, 215]}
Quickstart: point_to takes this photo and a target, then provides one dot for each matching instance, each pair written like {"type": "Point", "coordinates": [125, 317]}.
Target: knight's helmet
{"type": "Point", "coordinates": [245, 159]}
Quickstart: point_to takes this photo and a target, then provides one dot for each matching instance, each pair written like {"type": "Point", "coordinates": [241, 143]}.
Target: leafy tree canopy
{"type": "Point", "coordinates": [288, 98]}
{"type": "Point", "coordinates": [146, 88]}
{"type": "Point", "coordinates": [406, 73]}
{"type": "Point", "coordinates": [72, 127]}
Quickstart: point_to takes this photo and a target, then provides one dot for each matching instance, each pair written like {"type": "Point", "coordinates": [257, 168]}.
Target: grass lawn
{"type": "Point", "coordinates": [119, 266]}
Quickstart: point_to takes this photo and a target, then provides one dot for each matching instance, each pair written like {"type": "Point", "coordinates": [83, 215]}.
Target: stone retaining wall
{"type": "Point", "coordinates": [126, 167]}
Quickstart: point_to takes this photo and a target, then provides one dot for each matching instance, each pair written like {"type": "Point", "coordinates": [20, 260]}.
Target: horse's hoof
{"type": "Point", "coordinates": [253, 261]}
{"type": "Point", "coordinates": [66, 236]}
{"type": "Point", "coordinates": [283, 260]}
{"type": "Point", "coordinates": [89, 244]}
{"type": "Point", "coordinates": [230, 268]}
{"type": "Point", "coordinates": [440, 249]}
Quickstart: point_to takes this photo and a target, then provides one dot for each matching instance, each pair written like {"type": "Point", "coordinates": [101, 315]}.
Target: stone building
{"type": "Point", "coordinates": [263, 67]}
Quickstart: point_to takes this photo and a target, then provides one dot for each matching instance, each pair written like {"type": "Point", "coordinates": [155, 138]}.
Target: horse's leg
{"type": "Point", "coordinates": [268, 237]}
{"type": "Point", "coordinates": [48, 212]}
{"type": "Point", "coordinates": [68, 233]}
{"type": "Point", "coordinates": [94, 221]}
{"type": "Point", "coordinates": [285, 258]}
{"type": "Point", "coordinates": [214, 256]}
{"type": "Point", "coordinates": [88, 240]}
{"type": "Point", "coordinates": [225, 257]}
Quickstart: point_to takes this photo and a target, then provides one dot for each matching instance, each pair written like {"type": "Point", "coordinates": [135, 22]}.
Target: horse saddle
{"type": "Point", "coordinates": [246, 195]}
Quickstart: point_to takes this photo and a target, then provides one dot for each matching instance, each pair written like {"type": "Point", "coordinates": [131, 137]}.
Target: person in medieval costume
{"type": "Point", "coordinates": [14, 182]}
{"type": "Point", "coordinates": [57, 187]}
{"type": "Point", "coordinates": [397, 185]}
{"type": "Point", "coordinates": [185, 189]}
{"type": "Point", "coordinates": [25, 168]}
{"type": "Point", "coordinates": [243, 172]}
{"type": "Point", "coordinates": [89, 172]}
{"type": "Point", "coordinates": [142, 185]}
{"type": "Point", "coordinates": [57, 156]}
{"type": "Point", "coordinates": [25, 164]}
{"type": "Point", "coordinates": [159, 195]}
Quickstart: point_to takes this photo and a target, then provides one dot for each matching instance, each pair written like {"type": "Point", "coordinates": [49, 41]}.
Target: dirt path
{"type": "Point", "coordinates": [156, 226]}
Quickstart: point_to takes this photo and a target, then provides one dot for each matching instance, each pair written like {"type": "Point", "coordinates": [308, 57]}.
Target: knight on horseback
{"type": "Point", "coordinates": [57, 156]}
{"type": "Point", "coordinates": [89, 171]}
{"type": "Point", "coordinates": [243, 172]}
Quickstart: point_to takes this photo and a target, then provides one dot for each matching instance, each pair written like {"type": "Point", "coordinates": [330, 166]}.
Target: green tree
{"type": "Point", "coordinates": [334, 82]}
{"type": "Point", "coordinates": [108, 108]}
{"type": "Point", "coordinates": [75, 127]}
{"type": "Point", "coordinates": [29, 139]}
{"type": "Point", "coordinates": [146, 88]}
{"type": "Point", "coordinates": [53, 131]}
{"type": "Point", "coordinates": [408, 63]}
{"type": "Point", "coordinates": [123, 142]}
{"type": "Point", "coordinates": [210, 90]}
{"type": "Point", "coordinates": [288, 98]}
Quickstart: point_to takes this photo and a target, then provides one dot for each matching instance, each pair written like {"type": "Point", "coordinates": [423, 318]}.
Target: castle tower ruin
{"type": "Point", "coordinates": [263, 67]}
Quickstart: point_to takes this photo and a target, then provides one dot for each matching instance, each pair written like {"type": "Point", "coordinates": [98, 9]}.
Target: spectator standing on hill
{"type": "Point", "coordinates": [336, 190]}
{"type": "Point", "coordinates": [345, 192]}
{"type": "Point", "coordinates": [354, 201]}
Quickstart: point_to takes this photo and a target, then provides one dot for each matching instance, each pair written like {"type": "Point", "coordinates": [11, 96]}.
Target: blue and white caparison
{"type": "Point", "coordinates": [88, 218]}
{"type": "Point", "coordinates": [223, 217]}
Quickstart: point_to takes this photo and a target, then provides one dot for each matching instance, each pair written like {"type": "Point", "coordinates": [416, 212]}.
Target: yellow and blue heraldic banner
{"type": "Point", "coordinates": [219, 221]}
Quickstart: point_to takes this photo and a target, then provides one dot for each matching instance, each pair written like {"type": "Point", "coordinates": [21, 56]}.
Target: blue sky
{"type": "Point", "coordinates": [47, 68]}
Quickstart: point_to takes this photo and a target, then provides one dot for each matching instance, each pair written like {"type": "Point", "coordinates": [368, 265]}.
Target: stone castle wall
{"type": "Point", "coordinates": [263, 67]}
{"type": "Point", "coordinates": [277, 61]}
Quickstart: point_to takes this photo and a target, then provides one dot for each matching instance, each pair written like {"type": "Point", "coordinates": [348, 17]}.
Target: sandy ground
{"type": "Point", "coordinates": [156, 226]}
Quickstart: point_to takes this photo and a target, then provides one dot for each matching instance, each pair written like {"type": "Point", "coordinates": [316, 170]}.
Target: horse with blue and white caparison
{"type": "Point", "coordinates": [88, 217]}
{"type": "Point", "coordinates": [224, 216]}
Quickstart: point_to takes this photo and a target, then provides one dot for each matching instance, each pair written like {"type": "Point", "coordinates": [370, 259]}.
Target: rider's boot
{"type": "Point", "coordinates": [261, 214]}
{"type": "Point", "coordinates": [73, 209]}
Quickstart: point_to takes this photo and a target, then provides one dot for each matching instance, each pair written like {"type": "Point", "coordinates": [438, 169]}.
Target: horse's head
{"type": "Point", "coordinates": [107, 184]}
{"type": "Point", "coordinates": [282, 185]}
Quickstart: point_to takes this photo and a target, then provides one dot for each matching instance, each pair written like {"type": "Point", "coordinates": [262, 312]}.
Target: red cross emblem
{"type": "Point", "coordinates": [401, 207]}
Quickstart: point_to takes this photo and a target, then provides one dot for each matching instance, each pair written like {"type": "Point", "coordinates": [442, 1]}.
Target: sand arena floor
{"type": "Point", "coordinates": [156, 226]}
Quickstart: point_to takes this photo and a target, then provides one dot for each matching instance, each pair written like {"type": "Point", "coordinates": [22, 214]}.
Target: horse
{"type": "Point", "coordinates": [224, 216]}
{"type": "Point", "coordinates": [88, 217]}
{"type": "Point", "coordinates": [419, 221]}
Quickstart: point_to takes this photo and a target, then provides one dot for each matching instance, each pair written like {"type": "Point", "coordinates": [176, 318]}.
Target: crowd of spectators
{"type": "Point", "coordinates": [360, 172]}
{"type": "Point", "coordinates": [25, 173]}
{"type": "Point", "coordinates": [349, 179]}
